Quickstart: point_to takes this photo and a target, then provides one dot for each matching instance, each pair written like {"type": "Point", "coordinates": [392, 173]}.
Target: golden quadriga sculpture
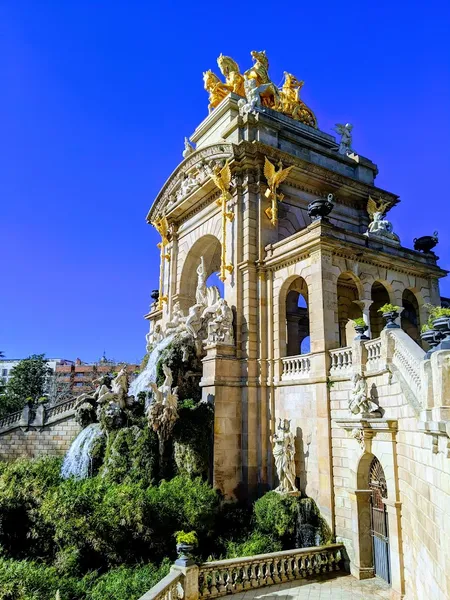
{"type": "Point", "coordinates": [285, 99]}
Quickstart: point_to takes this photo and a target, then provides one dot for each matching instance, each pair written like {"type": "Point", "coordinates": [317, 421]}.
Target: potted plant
{"type": "Point", "coordinates": [390, 313]}
{"type": "Point", "coordinates": [360, 328]}
{"type": "Point", "coordinates": [320, 208]}
{"type": "Point", "coordinates": [440, 318]}
{"type": "Point", "coordinates": [186, 542]}
{"type": "Point", "coordinates": [431, 336]}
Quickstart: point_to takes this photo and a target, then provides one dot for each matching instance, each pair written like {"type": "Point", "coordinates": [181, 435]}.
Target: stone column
{"type": "Point", "coordinates": [440, 368]}
{"type": "Point", "coordinates": [190, 579]}
{"type": "Point", "coordinates": [361, 564]}
{"type": "Point", "coordinates": [393, 509]}
{"type": "Point", "coordinates": [322, 300]}
{"type": "Point", "coordinates": [221, 386]}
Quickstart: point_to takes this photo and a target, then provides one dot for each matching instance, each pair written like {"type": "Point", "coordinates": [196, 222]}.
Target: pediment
{"type": "Point", "coordinates": [189, 182]}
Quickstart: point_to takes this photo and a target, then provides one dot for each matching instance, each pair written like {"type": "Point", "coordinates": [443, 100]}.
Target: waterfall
{"type": "Point", "coordinates": [77, 461]}
{"type": "Point", "coordinates": [141, 383]}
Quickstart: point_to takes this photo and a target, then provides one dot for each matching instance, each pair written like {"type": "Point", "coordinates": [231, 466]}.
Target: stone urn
{"type": "Point", "coordinates": [320, 208]}
{"type": "Point", "coordinates": [442, 325]}
{"type": "Point", "coordinates": [432, 338]}
{"type": "Point", "coordinates": [390, 318]}
{"type": "Point", "coordinates": [155, 295]}
{"type": "Point", "coordinates": [426, 243]}
{"type": "Point", "coordinates": [184, 555]}
{"type": "Point", "coordinates": [361, 332]}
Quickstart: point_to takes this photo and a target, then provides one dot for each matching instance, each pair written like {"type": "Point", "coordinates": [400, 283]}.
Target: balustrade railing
{"type": "Point", "coordinates": [341, 360]}
{"type": "Point", "coordinates": [59, 409]}
{"type": "Point", "coordinates": [373, 349]}
{"type": "Point", "coordinates": [408, 361]}
{"type": "Point", "coordinates": [295, 367]}
{"type": "Point", "coordinates": [231, 576]}
{"type": "Point", "coordinates": [169, 588]}
{"type": "Point", "coordinates": [11, 419]}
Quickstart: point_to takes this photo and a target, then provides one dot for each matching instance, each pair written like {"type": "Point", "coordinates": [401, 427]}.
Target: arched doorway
{"type": "Point", "coordinates": [410, 316]}
{"type": "Point", "coordinates": [348, 294]}
{"type": "Point", "coordinates": [297, 318]}
{"type": "Point", "coordinates": [379, 520]}
{"type": "Point", "coordinates": [380, 296]}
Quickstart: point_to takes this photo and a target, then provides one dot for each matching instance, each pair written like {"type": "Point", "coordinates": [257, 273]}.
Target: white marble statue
{"type": "Point", "coordinates": [154, 337]}
{"type": "Point", "coordinates": [252, 95]}
{"type": "Point", "coordinates": [284, 454]}
{"type": "Point", "coordinates": [345, 131]}
{"type": "Point", "coordinates": [188, 148]}
{"type": "Point", "coordinates": [178, 322]}
{"type": "Point", "coordinates": [382, 228]}
{"type": "Point", "coordinates": [359, 402]}
{"type": "Point", "coordinates": [188, 183]}
{"type": "Point", "coordinates": [194, 320]}
{"type": "Point", "coordinates": [220, 327]}
{"type": "Point", "coordinates": [201, 292]}
{"type": "Point", "coordinates": [165, 394]}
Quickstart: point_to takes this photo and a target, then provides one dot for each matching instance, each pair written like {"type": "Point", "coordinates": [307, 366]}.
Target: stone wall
{"type": "Point", "coordinates": [49, 440]}
{"type": "Point", "coordinates": [416, 465]}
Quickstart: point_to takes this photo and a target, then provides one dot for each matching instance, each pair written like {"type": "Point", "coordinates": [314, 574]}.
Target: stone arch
{"type": "Point", "coordinates": [209, 247]}
{"type": "Point", "coordinates": [293, 310]}
{"type": "Point", "coordinates": [410, 317]}
{"type": "Point", "coordinates": [381, 293]}
{"type": "Point", "coordinates": [349, 293]}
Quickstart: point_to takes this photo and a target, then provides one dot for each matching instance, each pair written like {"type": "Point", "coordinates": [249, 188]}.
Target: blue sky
{"type": "Point", "coordinates": [98, 96]}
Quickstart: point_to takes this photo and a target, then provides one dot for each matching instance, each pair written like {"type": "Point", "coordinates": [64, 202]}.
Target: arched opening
{"type": "Point", "coordinates": [209, 248]}
{"type": "Point", "coordinates": [373, 529]}
{"type": "Point", "coordinates": [348, 309]}
{"type": "Point", "coordinates": [380, 296]}
{"type": "Point", "coordinates": [410, 316]}
{"type": "Point", "coordinates": [297, 318]}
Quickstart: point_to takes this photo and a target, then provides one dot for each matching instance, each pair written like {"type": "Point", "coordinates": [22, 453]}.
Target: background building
{"type": "Point", "coordinates": [7, 364]}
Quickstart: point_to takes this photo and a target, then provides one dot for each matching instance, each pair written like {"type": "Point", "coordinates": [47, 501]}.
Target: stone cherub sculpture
{"type": "Point", "coordinates": [253, 98]}
{"type": "Point", "coordinates": [380, 226]}
{"type": "Point", "coordinates": [162, 412]}
{"type": "Point", "coordinates": [220, 327]}
{"type": "Point", "coordinates": [178, 321]}
{"type": "Point", "coordinates": [359, 402]}
{"type": "Point", "coordinates": [345, 131]}
{"type": "Point", "coordinates": [284, 454]}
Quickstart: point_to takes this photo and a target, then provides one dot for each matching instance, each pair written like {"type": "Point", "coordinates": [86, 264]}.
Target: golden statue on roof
{"type": "Point", "coordinates": [256, 81]}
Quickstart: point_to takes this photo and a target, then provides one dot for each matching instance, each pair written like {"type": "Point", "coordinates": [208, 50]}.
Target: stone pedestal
{"type": "Point", "coordinates": [221, 387]}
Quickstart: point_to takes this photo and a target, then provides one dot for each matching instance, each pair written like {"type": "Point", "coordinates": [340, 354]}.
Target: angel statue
{"type": "Point", "coordinates": [253, 98]}
{"type": "Point", "coordinates": [345, 131]}
{"type": "Point", "coordinates": [274, 178]}
{"type": "Point", "coordinates": [379, 226]}
{"type": "Point", "coordinates": [284, 455]}
{"type": "Point", "coordinates": [222, 179]}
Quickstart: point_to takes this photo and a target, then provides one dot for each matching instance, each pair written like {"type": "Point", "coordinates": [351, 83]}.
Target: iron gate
{"type": "Point", "coordinates": [379, 521]}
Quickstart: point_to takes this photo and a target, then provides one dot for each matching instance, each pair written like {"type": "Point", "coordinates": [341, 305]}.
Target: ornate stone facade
{"type": "Point", "coordinates": [294, 289]}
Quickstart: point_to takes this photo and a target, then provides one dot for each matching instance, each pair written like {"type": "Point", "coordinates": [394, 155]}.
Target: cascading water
{"type": "Point", "coordinates": [77, 461]}
{"type": "Point", "coordinates": [141, 383]}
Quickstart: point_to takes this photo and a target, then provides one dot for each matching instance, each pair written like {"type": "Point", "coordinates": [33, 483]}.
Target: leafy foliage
{"type": "Point", "coordinates": [189, 538]}
{"type": "Point", "coordinates": [359, 322]}
{"type": "Point", "coordinates": [276, 513]}
{"type": "Point", "coordinates": [256, 543]}
{"type": "Point", "coordinates": [181, 357]}
{"type": "Point", "coordinates": [193, 438]}
{"type": "Point", "coordinates": [388, 308]}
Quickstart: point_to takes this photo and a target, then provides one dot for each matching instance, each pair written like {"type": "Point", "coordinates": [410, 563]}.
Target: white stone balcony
{"type": "Point", "coordinates": [341, 361]}
{"type": "Point", "coordinates": [294, 368]}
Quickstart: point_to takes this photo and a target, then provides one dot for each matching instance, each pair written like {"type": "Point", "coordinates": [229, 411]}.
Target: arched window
{"type": "Point", "coordinates": [380, 296]}
{"type": "Point", "coordinates": [348, 310]}
{"type": "Point", "coordinates": [410, 316]}
{"type": "Point", "coordinates": [209, 248]}
{"type": "Point", "coordinates": [297, 318]}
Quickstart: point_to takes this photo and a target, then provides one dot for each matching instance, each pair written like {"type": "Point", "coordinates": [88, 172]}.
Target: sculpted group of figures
{"type": "Point", "coordinates": [209, 320]}
{"type": "Point", "coordinates": [257, 90]}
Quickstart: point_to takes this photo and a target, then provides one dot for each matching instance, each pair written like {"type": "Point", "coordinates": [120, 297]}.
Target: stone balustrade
{"type": "Point", "coordinates": [169, 588]}
{"type": "Point", "coordinates": [295, 367]}
{"type": "Point", "coordinates": [341, 361]}
{"type": "Point", "coordinates": [406, 358]}
{"type": "Point", "coordinates": [37, 417]}
{"type": "Point", "coordinates": [373, 355]}
{"type": "Point", "coordinates": [231, 576]}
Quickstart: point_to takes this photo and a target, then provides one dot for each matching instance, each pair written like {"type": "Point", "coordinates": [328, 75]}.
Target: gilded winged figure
{"type": "Point", "coordinates": [274, 178]}
{"type": "Point", "coordinates": [376, 206]}
{"type": "Point", "coordinates": [162, 226]}
{"type": "Point", "coordinates": [222, 179]}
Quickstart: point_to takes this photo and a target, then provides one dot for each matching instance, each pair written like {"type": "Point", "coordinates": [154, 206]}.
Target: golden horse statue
{"type": "Point", "coordinates": [292, 105]}
{"type": "Point", "coordinates": [234, 81]}
{"type": "Point", "coordinates": [268, 91]}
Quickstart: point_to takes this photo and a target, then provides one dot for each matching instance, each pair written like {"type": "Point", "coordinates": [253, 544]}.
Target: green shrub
{"type": "Point", "coordinates": [189, 538]}
{"type": "Point", "coordinates": [275, 514]}
{"type": "Point", "coordinates": [359, 322]}
{"type": "Point", "coordinates": [128, 583]}
{"type": "Point", "coordinates": [27, 580]}
{"type": "Point", "coordinates": [23, 485]}
{"type": "Point", "coordinates": [257, 543]}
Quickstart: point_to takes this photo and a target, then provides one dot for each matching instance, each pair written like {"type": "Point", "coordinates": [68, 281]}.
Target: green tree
{"type": "Point", "coordinates": [27, 381]}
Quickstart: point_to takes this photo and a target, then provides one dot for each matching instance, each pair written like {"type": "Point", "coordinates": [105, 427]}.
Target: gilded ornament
{"type": "Point", "coordinates": [258, 89]}
{"type": "Point", "coordinates": [274, 178]}
{"type": "Point", "coordinates": [222, 180]}
{"type": "Point", "coordinates": [162, 226]}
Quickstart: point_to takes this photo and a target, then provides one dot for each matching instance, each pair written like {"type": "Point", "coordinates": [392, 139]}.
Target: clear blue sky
{"type": "Point", "coordinates": [98, 96]}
